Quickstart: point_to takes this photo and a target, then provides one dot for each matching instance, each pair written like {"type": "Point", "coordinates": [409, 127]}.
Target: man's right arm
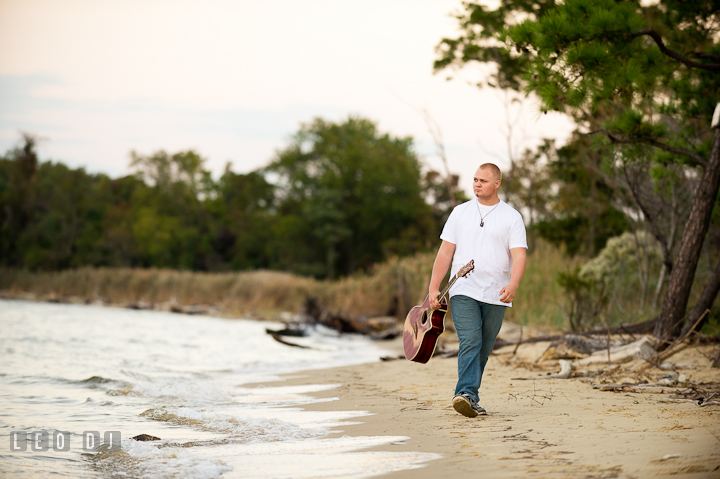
{"type": "Point", "coordinates": [440, 268]}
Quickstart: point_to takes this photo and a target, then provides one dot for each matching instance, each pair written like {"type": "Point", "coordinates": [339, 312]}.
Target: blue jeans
{"type": "Point", "coordinates": [477, 325]}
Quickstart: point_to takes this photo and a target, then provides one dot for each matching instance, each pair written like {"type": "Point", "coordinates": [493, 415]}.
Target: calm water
{"type": "Point", "coordinates": [72, 368]}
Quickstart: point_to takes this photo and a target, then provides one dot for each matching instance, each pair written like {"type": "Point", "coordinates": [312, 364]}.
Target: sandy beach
{"type": "Point", "coordinates": [558, 428]}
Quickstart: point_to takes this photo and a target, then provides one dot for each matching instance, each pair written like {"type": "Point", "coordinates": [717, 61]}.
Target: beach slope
{"type": "Point", "coordinates": [534, 428]}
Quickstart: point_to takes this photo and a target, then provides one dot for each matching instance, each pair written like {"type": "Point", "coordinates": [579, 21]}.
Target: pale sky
{"type": "Point", "coordinates": [234, 79]}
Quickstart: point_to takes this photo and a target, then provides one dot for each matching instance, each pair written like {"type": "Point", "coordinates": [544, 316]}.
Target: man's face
{"type": "Point", "coordinates": [484, 183]}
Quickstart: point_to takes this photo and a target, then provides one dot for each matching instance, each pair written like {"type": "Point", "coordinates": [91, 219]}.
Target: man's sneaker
{"type": "Point", "coordinates": [465, 405]}
{"type": "Point", "coordinates": [481, 411]}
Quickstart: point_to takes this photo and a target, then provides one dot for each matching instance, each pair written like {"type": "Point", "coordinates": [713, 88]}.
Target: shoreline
{"type": "Point", "coordinates": [536, 428]}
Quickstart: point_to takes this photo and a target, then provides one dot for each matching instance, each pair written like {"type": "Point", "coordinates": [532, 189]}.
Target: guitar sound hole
{"type": "Point", "coordinates": [424, 318]}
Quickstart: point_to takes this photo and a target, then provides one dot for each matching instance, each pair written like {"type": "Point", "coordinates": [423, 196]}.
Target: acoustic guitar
{"type": "Point", "coordinates": [423, 326]}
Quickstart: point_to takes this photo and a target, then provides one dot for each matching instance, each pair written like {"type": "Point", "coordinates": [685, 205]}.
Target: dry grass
{"type": "Point", "coordinates": [394, 286]}
{"type": "Point", "coordinates": [540, 299]}
{"type": "Point", "coordinates": [390, 288]}
{"type": "Point", "coordinates": [250, 293]}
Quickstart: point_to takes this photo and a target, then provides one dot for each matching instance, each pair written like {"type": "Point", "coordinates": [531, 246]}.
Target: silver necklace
{"type": "Point", "coordinates": [482, 220]}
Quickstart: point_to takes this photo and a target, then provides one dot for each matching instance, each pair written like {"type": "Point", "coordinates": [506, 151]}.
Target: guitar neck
{"type": "Point", "coordinates": [449, 285]}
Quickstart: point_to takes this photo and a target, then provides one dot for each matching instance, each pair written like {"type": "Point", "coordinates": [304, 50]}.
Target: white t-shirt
{"type": "Point", "coordinates": [489, 246]}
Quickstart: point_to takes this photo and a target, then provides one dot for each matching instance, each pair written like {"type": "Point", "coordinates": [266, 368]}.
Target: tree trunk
{"type": "Point", "coordinates": [683, 272]}
{"type": "Point", "coordinates": [593, 215]}
{"type": "Point", "coordinates": [707, 298]}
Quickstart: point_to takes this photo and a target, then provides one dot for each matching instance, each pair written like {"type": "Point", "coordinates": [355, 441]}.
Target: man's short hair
{"type": "Point", "coordinates": [494, 169]}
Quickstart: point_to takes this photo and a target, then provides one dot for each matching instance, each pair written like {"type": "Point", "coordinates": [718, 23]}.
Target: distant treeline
{"type": "Point", "coordinates": [338, 199]}
{"type": "Point", "coordinates": [343, 197]}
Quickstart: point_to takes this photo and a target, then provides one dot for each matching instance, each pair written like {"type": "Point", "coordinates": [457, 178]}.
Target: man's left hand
{"type": "Point", "coordinates": [507, 294]}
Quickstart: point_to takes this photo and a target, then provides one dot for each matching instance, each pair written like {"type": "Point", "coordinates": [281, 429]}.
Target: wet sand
{"type": "Point", "coordinates": [549, 428]}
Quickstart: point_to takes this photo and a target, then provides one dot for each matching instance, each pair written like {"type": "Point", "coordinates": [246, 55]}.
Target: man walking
{"type": "Point", "coordinates": [492, 233]}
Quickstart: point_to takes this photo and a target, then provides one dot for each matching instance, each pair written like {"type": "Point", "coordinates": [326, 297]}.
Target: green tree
{"type": "Point", "coordinates": [118, 242]}
{"type": "Point", "coordinates": [533, 186]}
{"type": "Point", "coordinates": [437, 194]}
{"type": "Point", "coordinates": [349, 197]}
{"type": "Point", "coordinates": [52, 216]}
{"type": "Point", "coordinates": [66, 226]}
{"type": "Point", "coordinates": [243, 219]}
{"type": "Point", "coordinates": [583, 209]}
{"type": "Point", "coordinates": [637, 74]}
{"type": "Point", "coordinates": [18, 171]}
{"type": "Point", "coordinates": [170, 226]}
{"type": "Point", "coordinates": [164, 170]}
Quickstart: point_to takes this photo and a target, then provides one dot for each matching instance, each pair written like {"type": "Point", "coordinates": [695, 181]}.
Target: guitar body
{"type": "Point", "coordinates": [423, 326]}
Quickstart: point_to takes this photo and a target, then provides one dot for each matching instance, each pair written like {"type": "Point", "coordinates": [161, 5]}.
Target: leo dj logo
{"type": "Point", "coordinates": [59, 441]}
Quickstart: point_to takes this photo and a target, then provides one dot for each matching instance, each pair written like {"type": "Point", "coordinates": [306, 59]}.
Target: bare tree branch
{"type": "Point", "coordinates": [437, 137]}
{"type": "Point", "coordinates": [651, 221]}
{"type": "Point", "coordinates": [707, 55]}
{"type": "Point", "coordinates": [673, 54]}
{"type": "Point", "coordinates": [653, 142]}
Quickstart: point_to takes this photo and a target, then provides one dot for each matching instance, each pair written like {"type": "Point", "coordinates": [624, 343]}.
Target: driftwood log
{"type": "Point", "coordinates": [640, 349]}
{"type": "Point", "coordinates": [639, 388]}
{"type": "Point", "coordinates": [631, 330]}
{"type": "Point", "coordinates": [294, 330]}
{"type": "Point", "coordinates": [280, 340]}
{"type": "Point", "coordinates": [673, 348]}
{"type": "Point", "coordinates": [320, 315]}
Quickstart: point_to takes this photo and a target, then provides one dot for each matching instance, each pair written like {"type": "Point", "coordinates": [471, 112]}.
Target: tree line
{"type": "Point", "coordinates": [336, 200]}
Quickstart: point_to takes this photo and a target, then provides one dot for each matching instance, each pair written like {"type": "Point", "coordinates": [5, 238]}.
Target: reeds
{"type": "Point", "coordinates": [540, 299]}
{"type": "Point", "coordinates": [390, 288]}
{"type": "Point", "coordinates": [253, 293]}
